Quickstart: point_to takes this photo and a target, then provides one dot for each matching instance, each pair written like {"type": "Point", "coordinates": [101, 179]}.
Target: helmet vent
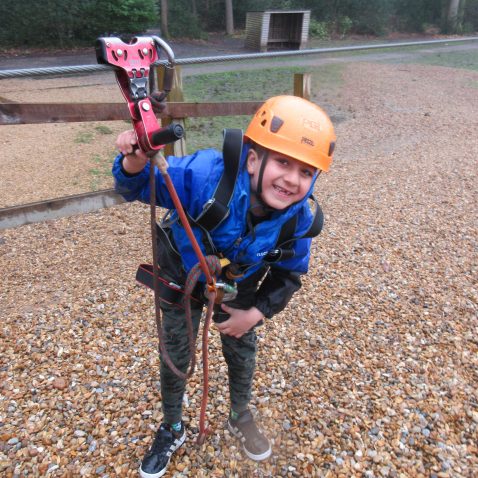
{"type": "Point", "coordinates": [331, 148]}
{"type": "Point", "coordinates": [276, 124]}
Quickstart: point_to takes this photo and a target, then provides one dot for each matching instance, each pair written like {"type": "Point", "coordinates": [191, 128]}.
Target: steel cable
{"type": "Point", "coordinates": [68, 70]}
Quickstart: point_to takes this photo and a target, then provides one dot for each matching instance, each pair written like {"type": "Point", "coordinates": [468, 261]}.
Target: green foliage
{"type": "Point", "coordinates": [319, 30]}
{"type": "Point", "coordinates": [470, 16]}
{"type": "Point", "coordinates": [120, 16]}
{"type": "Point", "coordinates": [64, 23]}
{"type": "Point", "coordinates": [183, 22]}
{"type": "Point", "coordinates": [344, 25]}
{"type": "Point", "coordinates": [417, 15]}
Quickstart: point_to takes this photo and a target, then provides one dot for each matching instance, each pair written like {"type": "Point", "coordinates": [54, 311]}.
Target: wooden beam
{"type": "Point", "coordinates": [302, 82]}
{"type": "Point", "coordinates": [34, 113]}
{"type": "Point", "coordinates": [178, 148]}
{"type": "Point", "coordinates": [55, 208]}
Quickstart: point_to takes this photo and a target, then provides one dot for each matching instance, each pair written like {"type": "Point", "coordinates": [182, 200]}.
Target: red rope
{"type": "Point", "coordinates": [210, 266]}
{"type": "Point", "coordinates": [214, 266]}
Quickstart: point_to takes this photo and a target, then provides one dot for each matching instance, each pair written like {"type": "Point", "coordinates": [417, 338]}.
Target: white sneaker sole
{"type": "Point", "coordinates": [260, 457]}
{"type": "Point", "coordinates": [177, 443]}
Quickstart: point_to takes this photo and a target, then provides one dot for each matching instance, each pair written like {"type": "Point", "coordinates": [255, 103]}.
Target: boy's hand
{"type": "Point", "coordinates": [158, 101]}
{"type": "Point", "coordinates": [134, 160]}
{"type": "Point", "coordinates": [240, 321]}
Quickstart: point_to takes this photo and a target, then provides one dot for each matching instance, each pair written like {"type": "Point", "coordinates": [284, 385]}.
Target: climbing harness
{"type": "Point", "coordinates": [132, 62]}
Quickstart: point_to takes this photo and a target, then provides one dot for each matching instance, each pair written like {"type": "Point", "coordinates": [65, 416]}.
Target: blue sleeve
{"type": "Point", "coordinates": [194, 178]}
{"type": "Point", "coordinates": [129, 185]}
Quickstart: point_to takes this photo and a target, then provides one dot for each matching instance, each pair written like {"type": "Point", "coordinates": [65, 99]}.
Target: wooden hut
{"type": "Point", "coordinates": [277, 29]}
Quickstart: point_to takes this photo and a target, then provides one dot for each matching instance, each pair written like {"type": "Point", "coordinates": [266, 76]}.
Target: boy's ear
{"type": "Point", "coordinates": [252, 161]}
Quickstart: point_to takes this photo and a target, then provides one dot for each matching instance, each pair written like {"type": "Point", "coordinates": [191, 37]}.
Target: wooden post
{"type": "Point", "coordinates": [302, 85]}
{"type": "Point", "coordinates": [176, 94]}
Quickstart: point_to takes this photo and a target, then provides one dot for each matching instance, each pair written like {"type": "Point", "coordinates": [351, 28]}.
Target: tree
{"type": "Point", "coordinates": [62, 23]}
{"type": "Point", "coordinates": [164, 19]}
{"type": "Point", "coordinates": [229, 18]}
{"type": "Point", "coordinates": [453, 15]}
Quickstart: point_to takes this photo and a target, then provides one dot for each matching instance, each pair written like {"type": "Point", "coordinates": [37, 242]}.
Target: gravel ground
{"type": "Point", "coordinates": [370, 372]}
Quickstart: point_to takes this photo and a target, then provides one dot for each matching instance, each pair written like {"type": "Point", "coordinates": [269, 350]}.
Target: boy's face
{"type": "Point", "coordinates": [284, 182]}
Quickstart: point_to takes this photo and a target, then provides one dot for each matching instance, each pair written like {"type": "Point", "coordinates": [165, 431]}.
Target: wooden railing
{"type": "Point", "coordinates": [177, 111]}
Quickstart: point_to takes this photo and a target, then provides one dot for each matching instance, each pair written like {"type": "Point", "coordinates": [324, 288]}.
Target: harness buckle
{"type": "Point", "coordinates": [225, 291]}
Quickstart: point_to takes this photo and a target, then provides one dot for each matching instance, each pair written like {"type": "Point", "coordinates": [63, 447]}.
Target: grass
{"type": "Point", "coordinates": [102, 165]}
{"type": "Point", "coordinates": [89, 132]}
{"type": "Point", "coordinates": [100, 171]}
{"type": "Point", "coordinates": [84, 137]}
{"type": "Point", "coordinates": [466, 60]}
{"type": "Point", "coordinates": [102, 129]}
{"type": "Point", "coordinates": [246, 85]}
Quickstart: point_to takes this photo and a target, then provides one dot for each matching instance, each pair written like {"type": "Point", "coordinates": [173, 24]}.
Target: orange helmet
{"type": "Point", "coordinates": [294, 127]}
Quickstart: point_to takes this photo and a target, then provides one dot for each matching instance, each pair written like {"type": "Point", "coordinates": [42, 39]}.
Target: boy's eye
{"type": "Point", "coordinates": [307, 172]}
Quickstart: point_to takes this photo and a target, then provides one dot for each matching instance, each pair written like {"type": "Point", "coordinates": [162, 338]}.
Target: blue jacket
{"type": "Point", "coordinates": [195, 178]}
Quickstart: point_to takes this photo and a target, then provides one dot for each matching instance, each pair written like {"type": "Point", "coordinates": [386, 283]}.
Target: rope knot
{"type": "Point", "coordinates": [214, 265]}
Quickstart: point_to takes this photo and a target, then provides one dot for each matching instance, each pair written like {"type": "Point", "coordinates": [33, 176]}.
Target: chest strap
{"type": "Point", "coordinates": [284, 249]}
{"type": "Point", "coordinates": [216, 209]}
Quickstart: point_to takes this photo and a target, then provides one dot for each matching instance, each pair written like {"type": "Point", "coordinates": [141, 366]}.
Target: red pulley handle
{"type": "Point", "coordinates": [132, 63]}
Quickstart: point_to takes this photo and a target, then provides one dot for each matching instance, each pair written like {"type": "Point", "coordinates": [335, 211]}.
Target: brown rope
{"type": "Point", "coordinates": [209, 266]}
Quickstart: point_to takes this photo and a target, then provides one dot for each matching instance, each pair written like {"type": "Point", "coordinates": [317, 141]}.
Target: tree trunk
{"type": "Point", "coordinates": [164, 19]}
{"type": "Point", "coordinates": [195, 8]}
{"type": "Point", "coordinates": [229, 18]}
{"type": "Point", "coordinates": [461, 13]}
{"type": "Point", "coordinates": [452, 20]}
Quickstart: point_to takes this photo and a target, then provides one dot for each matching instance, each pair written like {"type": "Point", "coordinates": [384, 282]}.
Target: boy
{"type": "Point", "coordinates": [287, 144]}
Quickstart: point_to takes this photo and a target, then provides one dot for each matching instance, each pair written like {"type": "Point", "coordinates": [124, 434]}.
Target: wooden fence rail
{"type": "Point", "coordinates": [36, 113]}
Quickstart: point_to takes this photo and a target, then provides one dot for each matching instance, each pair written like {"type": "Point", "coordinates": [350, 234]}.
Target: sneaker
{"type": "Point", "coordinates": [256, 445]}
{"type": "Point", "coordinates": [166, 442]}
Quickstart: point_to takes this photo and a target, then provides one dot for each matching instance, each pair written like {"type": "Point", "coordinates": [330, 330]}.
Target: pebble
{"type": "Point", "coordinates": [286, 425]}
{"type": "Point", "coordinates": [59, 383]}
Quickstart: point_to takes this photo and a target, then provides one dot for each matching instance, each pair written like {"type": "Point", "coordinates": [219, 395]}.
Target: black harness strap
{"type": "Point", "coordinates": [317, 222]}
{"type": "Point", "coordinates": [287, 231]}
{"type": "Point", "coordinates": [169, 292]}
{"type": "Point", "coordinates": [286, 235]}
{"type": "Point", "coordinates": [217, 208]}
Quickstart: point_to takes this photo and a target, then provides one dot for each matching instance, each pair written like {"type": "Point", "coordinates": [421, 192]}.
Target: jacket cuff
{"type": "Point", "coordinates": [262, 304]}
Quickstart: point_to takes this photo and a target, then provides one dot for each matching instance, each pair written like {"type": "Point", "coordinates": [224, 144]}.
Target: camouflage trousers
{"type": "Point", "coordinates": [240, 356]}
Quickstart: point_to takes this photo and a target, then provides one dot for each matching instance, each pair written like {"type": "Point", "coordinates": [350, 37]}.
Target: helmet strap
{"type": "Point", "coordinates": [259, 179]}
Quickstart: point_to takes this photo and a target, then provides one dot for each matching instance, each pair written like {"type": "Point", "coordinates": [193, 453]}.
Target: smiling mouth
{"type": "Point", "coordinates": [282, 191]}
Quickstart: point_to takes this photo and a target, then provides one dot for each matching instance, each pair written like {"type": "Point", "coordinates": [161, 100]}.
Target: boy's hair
{"type": "Point", "coordinates": [260, 150]}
